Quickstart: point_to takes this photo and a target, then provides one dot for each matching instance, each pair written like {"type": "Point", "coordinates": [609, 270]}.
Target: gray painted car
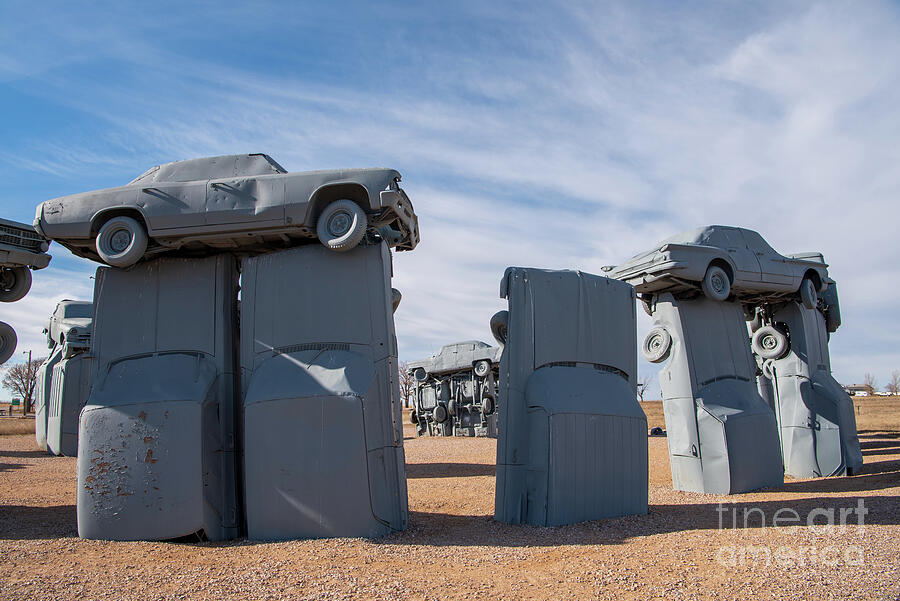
{"type": "Point", "coordinates": [456, 390]}
{"type": "Point", "coordinates": [722, 261]}
{"type": "Point", "coordinates": [71, 319]}
{"type": "Point", "coordinates": [246, 202]}
{"type": "Point", "coordinates": [21, 250]}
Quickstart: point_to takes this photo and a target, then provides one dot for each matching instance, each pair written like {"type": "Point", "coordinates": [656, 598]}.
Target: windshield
{"type": "Point", "coordinates": [79, 310]}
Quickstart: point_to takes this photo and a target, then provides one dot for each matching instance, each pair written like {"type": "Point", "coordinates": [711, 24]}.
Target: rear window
{"type": "Point", "coordinates": [78, 311]}
{"type": "Point", "coordinates": [206, 168]}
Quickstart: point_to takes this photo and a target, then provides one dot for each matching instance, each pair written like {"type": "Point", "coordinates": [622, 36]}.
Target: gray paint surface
{"type": "Point", "coordinates": [156, 453]}
{"type": "Point", "coordinates": [228, 202]}
{"type": "Point", "coordinates": [323, 442]}
{"type": "Point", "coordinates": [70, 390]}
{"type": "Point", "coordinates": [722, 435]}
{"type": "Point", "coordinates": [468, 400]}
{"type": "Point", "coordinates": [817, 423]}
{"type": "Point", "coordinates": [22, 246]}
{"type": "Point", "coordinates": [572, 440]}
{"type": "Point", "coordinates": [42, 389]}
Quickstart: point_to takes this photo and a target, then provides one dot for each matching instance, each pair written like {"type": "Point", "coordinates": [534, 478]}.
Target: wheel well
{"type": "Point", "coordinates": [105, 216]}
{"type": "Point", "coordinates": [813, 275]}
{"type": "Point", "coordinates": [725, 266]}
{"type": "Point", "coordinates": [328, 194]}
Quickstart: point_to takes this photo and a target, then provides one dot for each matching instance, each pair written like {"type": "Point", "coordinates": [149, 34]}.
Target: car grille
{"type": "Point", "coordinates": [29, 240]}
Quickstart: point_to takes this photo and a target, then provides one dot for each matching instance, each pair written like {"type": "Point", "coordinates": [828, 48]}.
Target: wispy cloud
{"type": "Point", "coordinates": [551, 137]}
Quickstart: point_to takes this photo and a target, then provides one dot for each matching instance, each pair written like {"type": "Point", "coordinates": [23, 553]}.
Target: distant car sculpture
{"type": "Point", "coordinates": [456, 390]}
{"type": "Point", "coordinates": [723, 261]}
{"type": "Point", "coordinates": [21, 250]}
{"type": "Point", "coordinates": [71, 322]}
{"type": "Point", "coordinates": [230, 202]}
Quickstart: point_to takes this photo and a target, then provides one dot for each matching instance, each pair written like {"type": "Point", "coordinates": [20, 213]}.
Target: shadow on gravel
{"type": "Point", "coordinates": [22, 522]}
{"type": "Point", "coordinates": [440, 529]}
{"type": "Point", "coordinates": [874, 475]}
{"type": "Point", "coordinates": [448, 470]}
{"type": "Point", "coordinates": [24, 454]}
{"type": "Point", "coordinates": [10, 466]}
{"type": "Point", "coordinates": [880, 444]}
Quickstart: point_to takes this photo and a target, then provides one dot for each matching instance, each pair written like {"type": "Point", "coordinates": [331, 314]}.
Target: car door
{"type": "Point", "coordinates": [241, 202]}
{"type": "Point", "coordinates": [172, 206]}
{"type": "Point", "coordinates": [774, 268]}
{"type": "Point", "coordinates": [745, 261]}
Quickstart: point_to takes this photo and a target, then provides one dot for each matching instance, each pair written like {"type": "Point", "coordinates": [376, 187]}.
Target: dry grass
{"type": "Point", "coordinates": [16, 424]}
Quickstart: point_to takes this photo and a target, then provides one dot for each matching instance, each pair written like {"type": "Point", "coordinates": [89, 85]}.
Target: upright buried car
{"type": "Point", "coordinates": [722, 260]}
{"type": "Point", "coordinates": [245, 201]}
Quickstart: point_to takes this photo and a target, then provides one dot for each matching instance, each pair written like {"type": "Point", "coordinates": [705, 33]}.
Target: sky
{"type": "Point", "coordinates": [556, 135]}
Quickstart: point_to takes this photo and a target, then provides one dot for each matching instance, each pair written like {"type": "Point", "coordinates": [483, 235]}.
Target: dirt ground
{"type": "Point", "coordinates": [454, 550]}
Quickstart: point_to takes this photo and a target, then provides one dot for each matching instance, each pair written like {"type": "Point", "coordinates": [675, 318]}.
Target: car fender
{"type": "Point", "coordinates": [326, 193]}
{"type": "Point", "coordinates": [697, 259]}
{"type": "Point", "coordinates": [104, 215]}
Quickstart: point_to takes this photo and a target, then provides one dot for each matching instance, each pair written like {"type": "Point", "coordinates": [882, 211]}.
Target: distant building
{"type": "Point", "coordinates": [859, 390]}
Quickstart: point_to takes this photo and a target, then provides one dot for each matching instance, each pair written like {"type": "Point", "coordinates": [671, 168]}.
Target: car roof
{"type": "Point", "coordinates": [204, 168]}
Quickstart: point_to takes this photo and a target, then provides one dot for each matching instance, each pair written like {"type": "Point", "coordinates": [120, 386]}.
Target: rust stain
{"type": "Point", "coordinates": [148, 439]}
{"type": "Point", "coordinates": [120, 493]}
{"type": "Point", "coordinates": [149, 458]}
{"type": "Point", "coordinates": [143, 416]}
{"type": "Point", "coordinates": [89, 479]}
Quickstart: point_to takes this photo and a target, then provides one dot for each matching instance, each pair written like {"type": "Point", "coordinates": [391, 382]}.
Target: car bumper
{"type": "Point", "coordinates": [16, 257]}
{"type": "Point", "coordinates": [398, 202]}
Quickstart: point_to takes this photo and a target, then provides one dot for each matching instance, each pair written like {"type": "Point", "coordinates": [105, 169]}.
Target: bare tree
{"type": "Point", "coordinates": [20, 379]}
{"type": "Point", "coordinates": [642, 385]}
{"type": "Point", "coordinates": [870, 382]}
{"type": "Point", "coordinates": [407, 384]}
{"type": "Point", "coordinates": [894, 385]}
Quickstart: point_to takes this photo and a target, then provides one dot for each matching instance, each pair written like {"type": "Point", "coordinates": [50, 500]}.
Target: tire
{"type": "Point", "coordinates": [808, 295]}
{"type": "Point", "coordinates": [121, 241]}
{"type": "Point", "coordinates": [396, 297]}
{"type": "Point", "coordinates": [482, 368]}
{"type": "Point", "coordinates": [15, 282]}
{"type": "Point", "coordinates": [487, 405]}
{"type": "Point", "coordinates": [8, 342]}
{"type": "Point", "coordinates": [342, 225]}
{"type": "Point", "coordinates": [500, 326]}
{"type": "Point", "coordinates": [439, 414]}
{"type": "Point", "coordinates": [451, 407]}
{"type": "Point", "coordinates": [657, 345]}
{"type": "Point", "coordinates": [716, 284]}
{"type": "Point", "coordinates": [413, 417]}
{"type": "Point", "coordinates": [420, 374]}
{"type": "Point", "coordinates": [754, 319]}
{"type": "Point", "coordinates": [769, 343]}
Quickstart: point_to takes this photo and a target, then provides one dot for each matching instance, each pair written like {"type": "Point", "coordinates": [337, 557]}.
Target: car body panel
{"type": "Point", "coordinates": [236, 202]}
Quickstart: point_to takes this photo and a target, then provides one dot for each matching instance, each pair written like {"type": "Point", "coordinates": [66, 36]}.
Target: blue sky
{"type": "Point", "coordinates": [569, 135]}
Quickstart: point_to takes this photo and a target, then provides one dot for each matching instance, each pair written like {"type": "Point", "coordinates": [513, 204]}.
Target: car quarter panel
{"type": "Point", "coordinates": [72, 216]}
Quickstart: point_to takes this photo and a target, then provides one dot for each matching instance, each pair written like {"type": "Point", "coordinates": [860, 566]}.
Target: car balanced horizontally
{"type": "Point", "coordinates": [235, 202]}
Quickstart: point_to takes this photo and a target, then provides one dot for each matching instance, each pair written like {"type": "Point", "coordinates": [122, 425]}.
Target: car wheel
{"type": "Point", "coordinates": [657, 345]}
{"type": "Point", "coordinates": [500, 326]}
{"type": "Point", "coordinates": [413, 417]}
{"type": "Point", "coordinates": [716, 285]}
{"type": "Point", "coordinates": [439, 414]}
{"type": "Point", "coordinates": [342, 225]}
{"type": "Point", "coordinates": [482, 368]}
{"type": "Point", "coordinates": [8, 342]}
{"type": "Point", "coordinates": [396, 297]}
{"type": "Point", "coordinates": [420, 374]}
{"type": "Point", "coordinates": [15, 282]}
{"type": "Point", "coordinates": [808, 295]}
{"type": "Point", "coordinates": [487, 405]}
{"type": "Point", "coordinates": [769, 343]}
{"type": "Point", "coordinates": [121, 241]}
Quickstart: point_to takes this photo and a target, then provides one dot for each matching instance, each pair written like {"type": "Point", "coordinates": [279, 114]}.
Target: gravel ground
{"type": "Point", "coordinates": [454, 550]}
